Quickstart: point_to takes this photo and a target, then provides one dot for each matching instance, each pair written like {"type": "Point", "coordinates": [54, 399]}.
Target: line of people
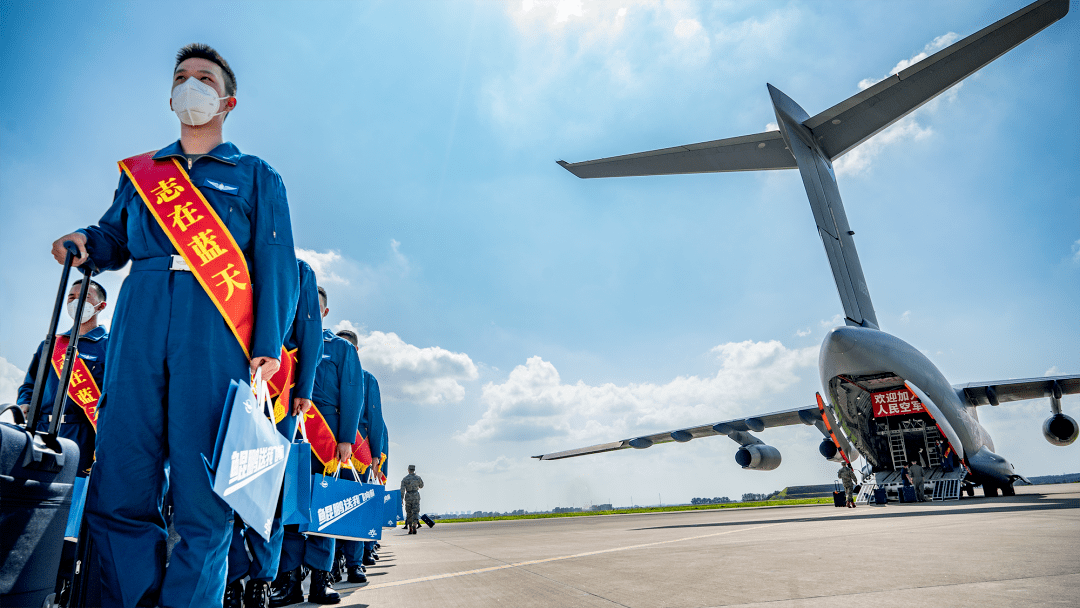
{"type": "Point", "coordinates": [215, 293]}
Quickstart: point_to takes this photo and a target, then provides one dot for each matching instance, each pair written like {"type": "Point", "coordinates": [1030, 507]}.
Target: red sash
{"type": "Point", "coordinates": [324, 444]}
{"type": "Point", "coordinates": [82, 389]}
{"type": "Point", "coordinates": [197, 232]}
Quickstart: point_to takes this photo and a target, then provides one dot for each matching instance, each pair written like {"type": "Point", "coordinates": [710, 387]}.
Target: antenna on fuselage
{"type": "Point", "coordinates": [812, 143]}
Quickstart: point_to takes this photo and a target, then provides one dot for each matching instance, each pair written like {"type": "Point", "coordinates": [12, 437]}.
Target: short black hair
{"type": "Point", "coordinates": [351, 336]}
{"type": "Point", "coordinates": [101, 294]}
{"type": "Point", "coordinates": [198, 50]}
{"type": "Point", "coordinates": [322, 297]}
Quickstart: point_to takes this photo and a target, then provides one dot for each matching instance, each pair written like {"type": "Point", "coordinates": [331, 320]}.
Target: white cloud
{"type": "Point", "coordinates": [10, 379]}
{"type": "Point", "coordinates": [534, 403]}
{"type": "Point", "coordinates": [836, 321]}
{"type": "Point", "coordinates": [772, 126]}
{"type": "Point", "coordinates": [802, 333]}
{"type": "Point", "coordinates": [499, 465]}
{"type": "Point", "coordinates": [323, 265]}
{"type": "Point", "coordinates": [858, 160]}
{"type": "Point", "coordinates": [429, 375]}
{"type": "Point", "coordinates": [1076, 251]}
{"type": "Point", "coordinates": [687, 28]}
{"type": "Point", "coordinates": [561, 10]}
{"type": "Point", "coordinates": [1053, 371]}
{"type": "Point", "coordinates": [904, 318]}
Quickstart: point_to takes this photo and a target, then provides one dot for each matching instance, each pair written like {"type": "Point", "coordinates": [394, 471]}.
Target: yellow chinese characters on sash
{"type": "Point", "coordinates": [82, 389]}
{"type": "Point", "coordinates": [281, 384]}
{"type": "Point", "coordinates": [205, 243]}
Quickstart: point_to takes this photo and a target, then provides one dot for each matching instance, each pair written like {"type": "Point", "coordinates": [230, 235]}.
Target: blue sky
{"type": "Point", "coordinates": [509, 308]}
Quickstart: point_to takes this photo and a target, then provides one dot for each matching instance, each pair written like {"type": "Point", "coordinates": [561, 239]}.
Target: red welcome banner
{"type": "Point", "coordinates": [896, 403]}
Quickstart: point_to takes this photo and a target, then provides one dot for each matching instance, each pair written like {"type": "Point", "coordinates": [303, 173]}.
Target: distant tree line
{"type": "Point", "coordinates": [719, 500]}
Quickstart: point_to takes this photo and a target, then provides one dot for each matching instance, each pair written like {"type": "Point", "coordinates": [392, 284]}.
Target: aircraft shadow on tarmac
{"type": "Point", "coordinates": [1032, 502]}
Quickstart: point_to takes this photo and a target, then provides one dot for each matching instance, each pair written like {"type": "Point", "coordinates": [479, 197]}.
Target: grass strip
{"type": "Point", "coordinates": [733, 505]}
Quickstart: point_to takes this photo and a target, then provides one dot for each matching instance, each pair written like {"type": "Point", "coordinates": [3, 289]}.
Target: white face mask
{"type": "Point", "coordinates": [195, 103]}
{"type": "Point", "coordinates": [88, 311]}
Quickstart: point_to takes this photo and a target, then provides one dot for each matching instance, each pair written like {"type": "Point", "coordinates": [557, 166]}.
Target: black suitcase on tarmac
{"type": "Point", "coordinates": [881, 496]}
{"type": "Point", "coordinates": [907, 494]}
{"type": "Point", "coordinates": [839, 498]}
{"type": "Point", "coordinates": [427, 520]}
{"type": "Point", "coordinates": [37, 472]}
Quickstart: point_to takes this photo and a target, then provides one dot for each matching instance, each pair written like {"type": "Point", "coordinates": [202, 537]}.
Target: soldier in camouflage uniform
{"type": "Point", "coordinates": [410, 490]}
{"type": "Point", "coordinates": [847, 477]}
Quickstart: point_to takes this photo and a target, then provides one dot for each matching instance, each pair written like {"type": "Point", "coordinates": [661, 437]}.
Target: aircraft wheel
{"type": "Point", "coordinates": [1008, 490]}
{"type": "Point", "coordinates": [989, 490]}
{"type": "Point", "coordinates": [971, 491]}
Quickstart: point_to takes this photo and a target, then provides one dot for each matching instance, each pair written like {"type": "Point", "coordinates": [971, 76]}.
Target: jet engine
{"type": "Point", "coordinates": [827, 449]}
{"type": "Point", "coordinates": [758, 456]}
{"type": "Point", "coordinates": [1060, 429]}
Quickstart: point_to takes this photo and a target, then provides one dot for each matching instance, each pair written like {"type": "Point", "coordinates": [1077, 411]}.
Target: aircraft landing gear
{"type": "Point", "coordinates": [1008, 490]}
{"type": "Point", "coordinates": [989, 490]}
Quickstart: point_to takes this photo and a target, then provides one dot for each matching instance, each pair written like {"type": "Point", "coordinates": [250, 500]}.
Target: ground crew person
{"type": "Point", "coordinates": [262, 567]}
{"type": "Point", "coordinates": [847, 477]}
{"type": "Point", "coordinates": [410, 490]}
{"type": "Point", "coordinates": [204, 225]}
{"type": "Point", "coordinates": [338, 396]}
{"type": "Point", "coordinates": [93, 338]}
{"type": "Point", "coordinates": [915, 473]}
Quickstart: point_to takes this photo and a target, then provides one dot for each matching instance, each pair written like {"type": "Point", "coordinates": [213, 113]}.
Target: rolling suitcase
{"type": "Point", "coordinates": [907, 494]}
{"type": "Point", "coordinates": [881, 496]}
{"type": "Point", "coordinates": [37, 472]}
{"type": "Point", "coordinates": [839, 498]}
{"type": "Point", "coordinates": [427, 520]}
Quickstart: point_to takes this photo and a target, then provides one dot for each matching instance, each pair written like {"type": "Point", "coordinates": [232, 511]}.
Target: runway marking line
{"type": "Point", "coordinates": [436, 577]}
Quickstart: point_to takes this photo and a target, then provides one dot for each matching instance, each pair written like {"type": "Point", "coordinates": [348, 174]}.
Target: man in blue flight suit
{"type": "Point", "coordinates": [262, 567]}
{"type": "Point", "coordinates": [376, 432]}
{"type": "Point", "coordinates": [355, 551]}
{"type": "Point", "coordinates": [172, 356]}
{"type": "Point", "coordinates": [339, 397]}
{"type": "Point", "coordinates": [92, 342]}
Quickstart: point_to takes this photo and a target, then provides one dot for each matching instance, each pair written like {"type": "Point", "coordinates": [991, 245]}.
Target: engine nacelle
{"type": "Point", "coordinates": [759, 457]}
{"type": "Point", "coordinates": [827, 449]}
{"type": "Point", "coordinates": [1060, 429]}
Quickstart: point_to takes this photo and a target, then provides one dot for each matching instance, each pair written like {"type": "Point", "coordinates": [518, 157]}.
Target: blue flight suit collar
{"type": "Point", "coordinates": [225, 152]}
{"type": "Point", "coordinates": [93, 335]}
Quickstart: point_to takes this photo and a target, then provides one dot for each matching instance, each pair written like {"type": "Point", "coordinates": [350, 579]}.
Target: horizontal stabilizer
{"type": "Point", "coordinates": [735, 429]}
{"type": "Point", "coordinates": [856, 119]}
{"type": "Point", "coordinates": [1003, 391]}
{"type": "Point", "coordinates": [848, 123]}
{"type": "Point", "coordinates": [748, 153]}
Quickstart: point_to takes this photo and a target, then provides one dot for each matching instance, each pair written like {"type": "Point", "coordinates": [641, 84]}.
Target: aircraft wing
{"type": "Point", "coordinates": [737, 429]}
{"type": "Point", "coordinates": [854, 120]}
{"type": "Point", "coordinates": [1002, 391]}
{"type": "Point", "coordinates": [747, 153]}
{"type": "Point", "coordinates": [848, 123]}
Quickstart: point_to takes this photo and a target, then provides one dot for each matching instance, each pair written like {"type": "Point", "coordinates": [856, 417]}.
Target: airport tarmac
{"type": "Point", "coordinates": [1021, 550]}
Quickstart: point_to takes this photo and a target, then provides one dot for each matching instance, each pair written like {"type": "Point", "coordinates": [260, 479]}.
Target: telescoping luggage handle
{"type": "Point", "coordinates": [45, 452]}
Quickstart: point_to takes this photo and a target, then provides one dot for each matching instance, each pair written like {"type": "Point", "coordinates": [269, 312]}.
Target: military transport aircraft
{"type": "Point", "coordinates": [883, 398]}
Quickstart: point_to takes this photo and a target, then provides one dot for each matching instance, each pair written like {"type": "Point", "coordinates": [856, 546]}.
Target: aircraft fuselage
{"type": "Point", "coordinates": [856, 362]}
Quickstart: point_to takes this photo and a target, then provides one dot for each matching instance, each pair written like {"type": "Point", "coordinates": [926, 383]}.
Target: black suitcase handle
{"type": "Point", "coordinates": [44, 451]}
{"type": "Point", "coordinates": [19, 416]}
